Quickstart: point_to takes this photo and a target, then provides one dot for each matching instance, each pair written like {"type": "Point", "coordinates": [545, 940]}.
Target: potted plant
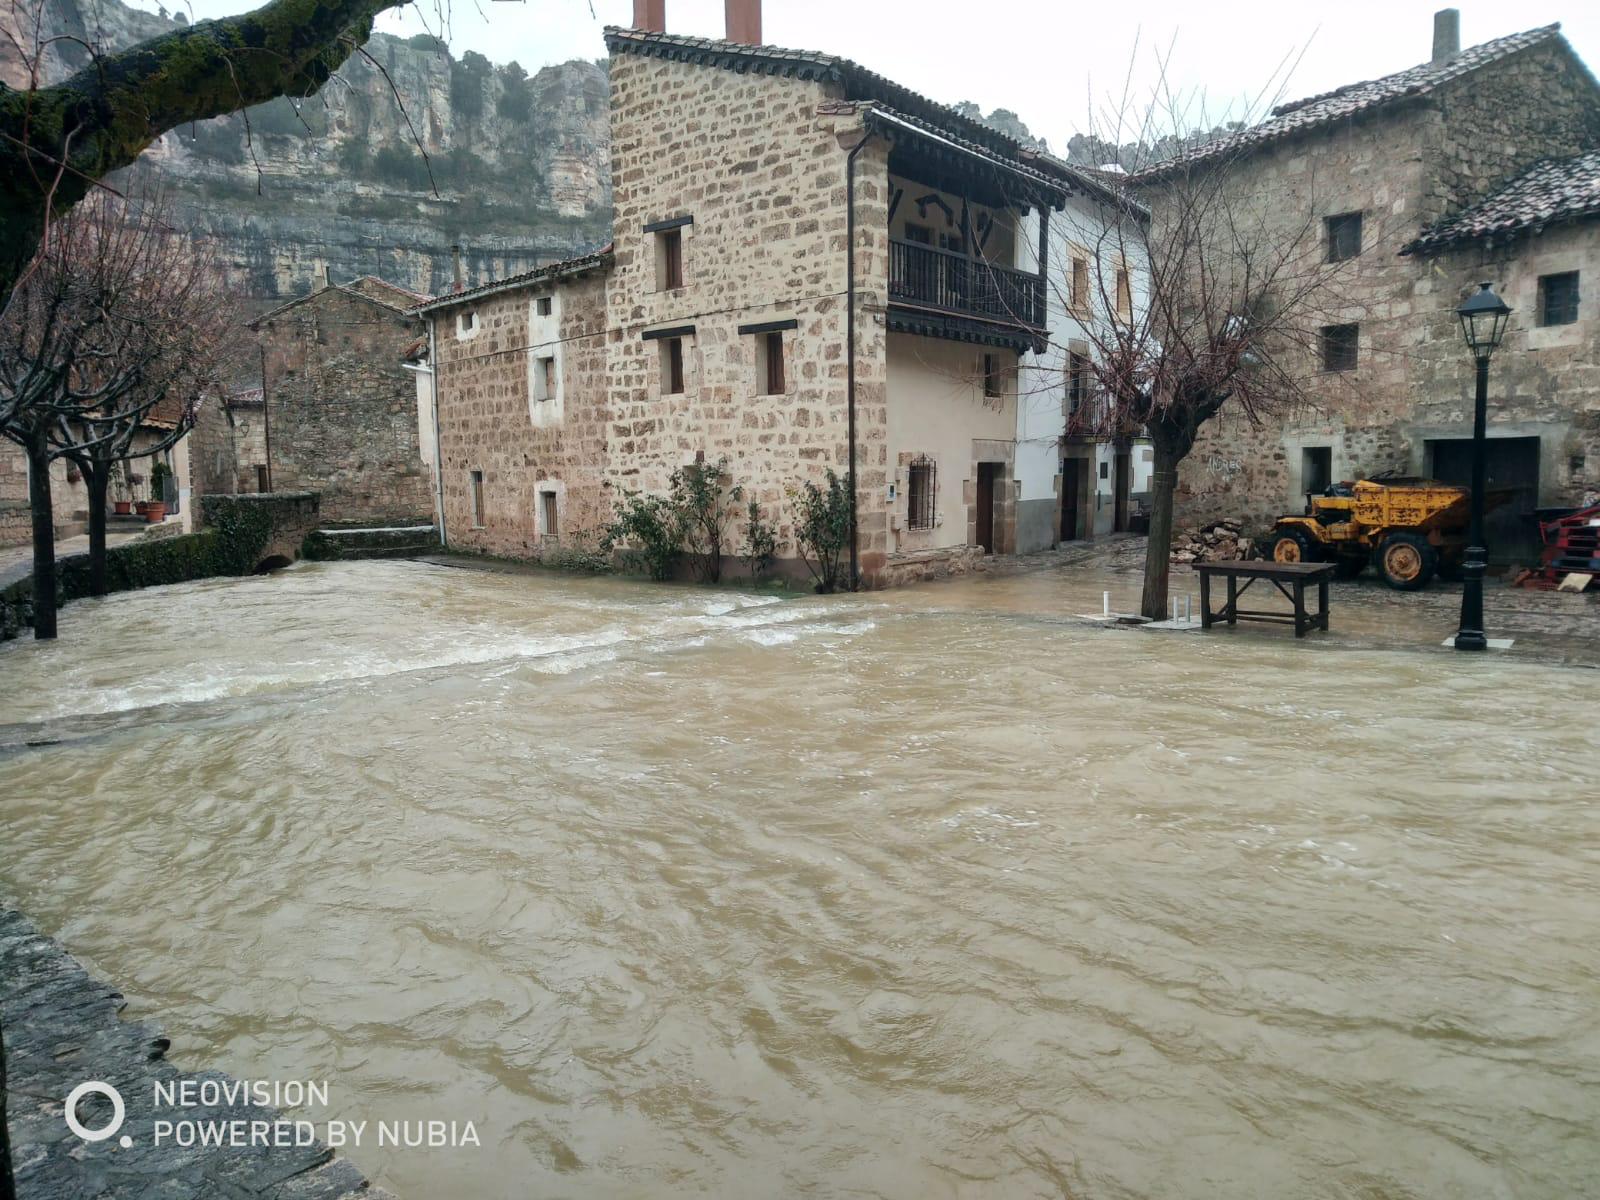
{"type": "Point", "coordinates": [119, 484]}
{"type": "Point", "coordinates": [134, 481]}
{"type": "Point", "coordinates": [156, 509]}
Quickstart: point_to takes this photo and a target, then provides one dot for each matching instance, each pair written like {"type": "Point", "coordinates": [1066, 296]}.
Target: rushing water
{"type": "Point", "coordinates": [681, 892]}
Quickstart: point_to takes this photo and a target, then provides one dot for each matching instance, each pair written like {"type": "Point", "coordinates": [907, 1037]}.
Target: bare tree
{"type": "Point", "coordinates": [1205, 295]}
{"type": "Point", "coordinates": [112, 337]}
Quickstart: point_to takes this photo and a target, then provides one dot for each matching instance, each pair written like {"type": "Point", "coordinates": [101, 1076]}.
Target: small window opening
{"type": "Point", "coordinates": [544, 377]}
{"type": "Point", "coordinates": [920, 494]}
{"type": "Point", "coordinates": [548, 514]}
{"type": "Point", "coordinates": [1344, 236]}
{"type": "Point", "coordinates": [769, 364]}
{"type": "Point", "coordinates": [671, 366]}
{"type": "Point", "coordinates": [1558, 298]}
{"type": "Point", "coordinates": [1340, 347]}
{"type": "Point", "coordinates": [1080, 283]}
{"type": "Point", "coordinates": [1316, 469]}
{"type": "Point", "coordinates": [992, 383]}
{"type": "Point", "coordinates": [542, 306]}
{"type": "Point", "coordinates": [669, 260]}
{"type": "Point", "coordinates": [1124, 294]}
{"type": "Point", "coordinates": [477, 499]}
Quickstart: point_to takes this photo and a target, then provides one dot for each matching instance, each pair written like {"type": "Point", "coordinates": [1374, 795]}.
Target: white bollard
{"type": "Point", "coordinates": [1188, 611]}
{"type": "Point", "coordinates": [1105, 604]}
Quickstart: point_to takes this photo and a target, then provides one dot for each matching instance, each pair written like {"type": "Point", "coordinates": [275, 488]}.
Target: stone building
{"type": "Point", "coordinates": [766, 200]}
{"type": "Point", "coordinates": [334, 412]}
{"type": "Point", "coordinates": [1387, 169]}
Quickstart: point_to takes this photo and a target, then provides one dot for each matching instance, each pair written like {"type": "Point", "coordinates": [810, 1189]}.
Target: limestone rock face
{"type": "Point", "coordinates": [514, 167]}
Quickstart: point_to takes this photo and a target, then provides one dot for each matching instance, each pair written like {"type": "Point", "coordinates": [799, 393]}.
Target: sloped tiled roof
{"type": "Point", "coordinates": [549, 273]}
{"type": "Point", "coordinates": [1288, 120]}
{"type": "Point", "coordinates": [859, 83]}
{"type": "Point", "coordinates": [1559, 189]}
{"type": "Point", "coordinates": [370, 288]}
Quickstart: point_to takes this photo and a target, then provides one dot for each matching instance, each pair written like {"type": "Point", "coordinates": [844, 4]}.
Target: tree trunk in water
{"type": "Point", "coordinates": [98, 478]}
{"type": "Point", "coordinates": [1158, 552]}
{"type": "Point", "coordinates": [44, 543]}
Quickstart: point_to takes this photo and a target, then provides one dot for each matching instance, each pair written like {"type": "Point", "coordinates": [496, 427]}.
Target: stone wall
{"type": "Point", "coordinates": [341, 410]}
{"type": "Point", "coordinates": [69, 497]}
{"type": "Point", "coordinates": [1403, 169]}
{"type": "Point", "coordinates": [490, 422]}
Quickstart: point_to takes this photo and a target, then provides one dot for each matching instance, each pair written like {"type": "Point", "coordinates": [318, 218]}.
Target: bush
{"type": "Point", "coordinates": [822, 528]}
{"type": "Point", "coordinates": [760, 542]}
{"type": "Point", "coordinates": [652, 527]}
{"type": "Point", "coordinates": [702, 493]}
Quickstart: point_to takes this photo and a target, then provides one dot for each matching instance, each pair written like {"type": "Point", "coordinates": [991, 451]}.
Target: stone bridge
{"type": "Point", "coordinates": [268, 527]}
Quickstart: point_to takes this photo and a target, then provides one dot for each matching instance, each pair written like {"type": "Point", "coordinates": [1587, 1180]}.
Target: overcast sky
{"type": "Point", "coordinates": [1041, 58]}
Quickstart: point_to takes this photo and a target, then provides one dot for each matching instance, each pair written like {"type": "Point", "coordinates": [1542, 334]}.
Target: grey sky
{"type": "Point", "coordinates": [1040, 58]}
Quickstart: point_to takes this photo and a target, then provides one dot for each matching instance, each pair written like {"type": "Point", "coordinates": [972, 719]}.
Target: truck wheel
{"type": "Point", "coordinates": [1348, 566]}
{"type": "Point", "coordinates": [1294, 546]}
{"type": "Point", "coordinates": [1407, 562]}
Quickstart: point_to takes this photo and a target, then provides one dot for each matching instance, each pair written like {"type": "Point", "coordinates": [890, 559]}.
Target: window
{"type": "Point", "coordinates": [920, 495]}
{"type": "Point", "coordinates": [1080, 283]}
{"type": "Point", "coordinates": [1316, 469]}
{"type": "Point", "coordinates": [1344, 236]}
{"type": "Point", "coordinates": [1339, 347]}
{"type": "Point", "coordinates": [466, 323]}
{"type": "Point", "coordinates": [544, 377]}
{"type": "Point", "coordinates": [920, 234]}
{"type": "Point", "coordinates": [548, 514]}
{"type": "Point", "coordinates": [542, 306]}
{"type": "Point", "coordinates": [671, 366]}
{"type": "Point", "coordinates": [477, 499]}
{"type": "Point", "coordinates": [769, 364]}
{"type": "Point", "coordinates": [1124, 294]}
{"type": "Point", "coordinates": [991, 376]}
{"type": "Point", "coordinates": [669, 260]}
{"type": "Point", "coordinates": [261, 478]}
{"type": "Point", "coordinates": [1558, 298]}
{"type": "Point", "coordinates": [1077, 380]}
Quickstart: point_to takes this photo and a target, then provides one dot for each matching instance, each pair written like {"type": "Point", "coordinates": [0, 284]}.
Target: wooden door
{"type": "Point", "coordinates": [1124, 485]}
{"type": "Point", "coordinates": [1071, 485]}
{"type": "Point", "coordinates": [985, 501]}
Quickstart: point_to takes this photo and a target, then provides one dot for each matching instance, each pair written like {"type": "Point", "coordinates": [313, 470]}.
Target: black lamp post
{"type": "Point", "coordinates": [1483, 324]}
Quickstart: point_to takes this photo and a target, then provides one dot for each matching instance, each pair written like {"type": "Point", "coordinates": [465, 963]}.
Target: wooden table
{"type": "Point", "coordinates": [1289, 578]}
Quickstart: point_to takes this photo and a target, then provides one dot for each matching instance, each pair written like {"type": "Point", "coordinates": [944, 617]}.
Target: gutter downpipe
{"type": "Point", "coordinates": [850, 344]}
{"type": "Point", "coordinates": [438, 454]}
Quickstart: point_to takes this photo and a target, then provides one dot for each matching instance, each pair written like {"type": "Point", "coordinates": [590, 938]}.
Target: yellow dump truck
{"type": "Point", "coordinates": [1409, 529]}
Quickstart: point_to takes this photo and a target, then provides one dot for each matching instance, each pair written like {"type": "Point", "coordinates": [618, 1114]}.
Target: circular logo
{"type": "Point", "coordinates": [94, 1086]}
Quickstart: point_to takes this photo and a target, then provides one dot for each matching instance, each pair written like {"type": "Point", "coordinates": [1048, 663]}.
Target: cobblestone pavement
{"type": "Point", "coordinates": [61, 1029]}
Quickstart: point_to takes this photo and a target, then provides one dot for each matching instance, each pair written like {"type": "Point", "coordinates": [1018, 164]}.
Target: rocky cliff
{"type": "Point", "coordinates": [516, 168]}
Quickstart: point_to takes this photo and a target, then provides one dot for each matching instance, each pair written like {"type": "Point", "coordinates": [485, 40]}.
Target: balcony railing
{"type": "Point", "coordinates": [954, 283]}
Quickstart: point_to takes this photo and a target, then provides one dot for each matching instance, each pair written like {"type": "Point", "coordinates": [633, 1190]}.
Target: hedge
{"type": "Point", "coordinates": [237, 531]}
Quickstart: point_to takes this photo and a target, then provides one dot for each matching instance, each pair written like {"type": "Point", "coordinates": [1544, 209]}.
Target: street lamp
{"type": "Point", "coordinates": [1483, 324]}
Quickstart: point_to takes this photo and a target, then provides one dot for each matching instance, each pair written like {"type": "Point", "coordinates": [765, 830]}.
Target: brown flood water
{"type": "Point", "coordinates": [678, 892]}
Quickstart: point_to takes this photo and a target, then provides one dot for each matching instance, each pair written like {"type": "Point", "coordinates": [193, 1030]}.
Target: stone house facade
{"type": "Point", "coordinates": [1374, 165]}
{"type": "Point", "coordinates": [764, 200]}
{"type": "Point", "coordinates": [334, 410]}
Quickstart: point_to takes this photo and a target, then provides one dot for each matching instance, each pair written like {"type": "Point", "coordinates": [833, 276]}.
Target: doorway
{"type": "Point", "coordinates": [1123, 488]}
{"type": "Point", "coordinates": [988, 474]}
{"type": "Point", "coordinates": [1511, 465]}
{"type": "Point", "coordinates": [1071, 485]}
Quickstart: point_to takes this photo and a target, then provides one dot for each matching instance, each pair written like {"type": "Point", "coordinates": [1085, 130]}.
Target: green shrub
{"type": "Point", "coordinates": [702, 492]}
{"type": "Point", "coordinates": [760, 542]}
{"type": "Point", "coordinates": [649, 530]}
{"type": "Point", "coordinates": [822, 528]}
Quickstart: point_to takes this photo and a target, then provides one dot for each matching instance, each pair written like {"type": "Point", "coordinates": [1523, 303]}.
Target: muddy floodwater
{"type": "Point", "coordinates": [678, 892]}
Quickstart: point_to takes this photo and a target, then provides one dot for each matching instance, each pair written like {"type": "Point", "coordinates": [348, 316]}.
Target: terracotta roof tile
{"type": "Point", "coordinates": [1560, 189]}
{"type": "Point", "coordinates": [1287, 120]}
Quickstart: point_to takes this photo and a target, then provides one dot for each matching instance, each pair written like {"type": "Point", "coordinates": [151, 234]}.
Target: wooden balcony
{"type": "Point", "coordinates": [944, 282]}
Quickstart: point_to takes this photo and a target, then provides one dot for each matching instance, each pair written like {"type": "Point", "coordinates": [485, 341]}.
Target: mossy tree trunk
{"type": "Point", "coordinates": [97, 477]}
{"type": "Point", "coordinates": [44, 538]}
{"type": "Point", "coordinates": [56, 141]}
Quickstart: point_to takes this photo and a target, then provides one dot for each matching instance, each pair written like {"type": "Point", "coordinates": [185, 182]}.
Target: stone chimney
{"type": "Point", "coordinates": [1446, 34]}
{"type": "Point", "coordinates": [744, 21]}
{"type": "Point", "coordinates": [455, 260]}
{"type": "Point", "coordinates": [650, 15]}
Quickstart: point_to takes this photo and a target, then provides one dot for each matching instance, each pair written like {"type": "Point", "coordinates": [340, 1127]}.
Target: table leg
{"type": "Point", "coordinates": [1301, 622]}
{"type": "Point", "coordinates": [1233, 600]}
{"type": "Point", "coordinates": [1205, 599]}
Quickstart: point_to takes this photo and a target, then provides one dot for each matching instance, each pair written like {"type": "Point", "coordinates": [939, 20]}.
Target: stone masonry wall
{"type": "Point", "coordinates": [488, 421]}
{"type": "Point", "coordinates": [763, 176]}
{"type": "Point", "coordinates": [1402, 170]}
{"type": "Point", "coordinates": [342, 409]}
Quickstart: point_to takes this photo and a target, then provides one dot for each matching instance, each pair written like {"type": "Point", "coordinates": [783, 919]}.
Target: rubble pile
{"type": "Point", "coordinates": [1220, 541]}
